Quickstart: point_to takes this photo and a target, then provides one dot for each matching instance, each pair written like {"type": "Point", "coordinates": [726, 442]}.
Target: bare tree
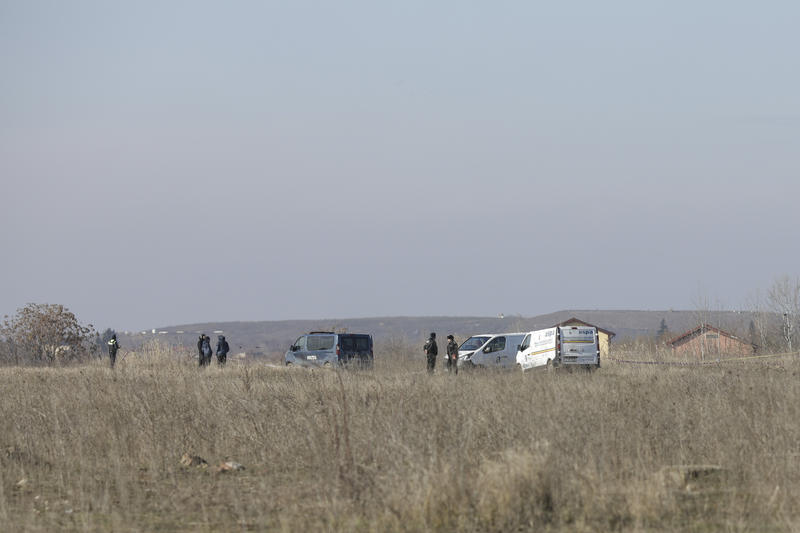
{"type": "Point", "coordinates": [760, 320]}
{"type": "Point", "coordinates": [784, 299]}
{"type": "Point", "coordinates": [46, 334]}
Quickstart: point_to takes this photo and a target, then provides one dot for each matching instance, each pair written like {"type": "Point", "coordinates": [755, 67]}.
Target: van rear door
{"type": "Point", "coordinates": [358, 347]}
{"type": "Point", "coordinates": [578, 345]}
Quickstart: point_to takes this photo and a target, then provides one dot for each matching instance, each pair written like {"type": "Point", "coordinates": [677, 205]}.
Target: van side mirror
{"type": "Point", "coordinates": [295, 348]}
{"type": "Point", "coordinates": [488, 349]}
{"type": "Point", "coordinates": [519, 347]}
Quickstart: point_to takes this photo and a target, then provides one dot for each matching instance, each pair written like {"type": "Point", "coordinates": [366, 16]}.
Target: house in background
{"type": "Point", "coordinates": [603, 335]}
{"type": "Point", "coordinates": [706, 341]}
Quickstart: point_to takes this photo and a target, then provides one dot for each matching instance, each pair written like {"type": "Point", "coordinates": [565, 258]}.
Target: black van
{"type": "Point", "coordinates": [325, 348]}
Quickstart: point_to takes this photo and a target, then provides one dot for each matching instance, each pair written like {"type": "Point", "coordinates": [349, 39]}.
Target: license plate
{"type": "Point", "coordinates": [312, 358]}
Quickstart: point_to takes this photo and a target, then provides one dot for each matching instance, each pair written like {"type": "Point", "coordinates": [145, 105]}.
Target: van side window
{"type": "Point", "coordinates": [497, 345]}
{"type": "Point", "coordinates": [320, 342]}
{"type": "Point", "coordinates": [300, 343]}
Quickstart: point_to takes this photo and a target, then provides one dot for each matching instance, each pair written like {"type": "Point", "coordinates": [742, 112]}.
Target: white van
{"type": "Point", "coordinates": [560, 346]}
{"type": "Point", "coordinates": [496, 350]}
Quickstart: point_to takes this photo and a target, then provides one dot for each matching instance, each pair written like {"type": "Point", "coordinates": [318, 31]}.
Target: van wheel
{"type": "Point", "coordinates": [289, 363]}
{"type": "Point", "coordinates": [549, 366]}
{"type": "Point", "coordinates": [327, 364]}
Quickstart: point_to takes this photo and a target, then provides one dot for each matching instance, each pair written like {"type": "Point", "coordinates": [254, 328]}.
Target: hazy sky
{"type": "Point", "coordinates": [171, 162]}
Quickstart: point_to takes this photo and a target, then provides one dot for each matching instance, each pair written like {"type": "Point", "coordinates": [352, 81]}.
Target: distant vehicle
{"type": "Point", "coordinates": [560, 346]}
{"type": "Point", "coordinates": [325, 348]}
{"type": "Point", "coordinates": [491, 350]}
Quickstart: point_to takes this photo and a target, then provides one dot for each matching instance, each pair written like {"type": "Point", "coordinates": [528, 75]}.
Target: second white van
{"type": "Point", "coordinates": [560, 346]}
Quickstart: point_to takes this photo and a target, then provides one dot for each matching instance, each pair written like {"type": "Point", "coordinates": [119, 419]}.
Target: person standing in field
{"type": "Point", "coordinates": [222, 350]}
{"type": "Point", "coordinates": [113, 347]}
{"type": "Point", "coordinates": [207, 351]}
{"type": "Point", "coordinates": [452, 354]}
{"type": "Point", "coordinates": [431, 351]}
{"type": "Point", "coordinates": [204, 349]}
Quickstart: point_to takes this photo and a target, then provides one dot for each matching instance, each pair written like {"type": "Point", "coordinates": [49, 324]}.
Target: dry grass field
{"type": "Point", "coordinates": [626, 448]}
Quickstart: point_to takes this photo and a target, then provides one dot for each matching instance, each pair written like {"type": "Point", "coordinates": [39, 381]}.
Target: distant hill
{"type": "Point", "coordinates": [273, 337]}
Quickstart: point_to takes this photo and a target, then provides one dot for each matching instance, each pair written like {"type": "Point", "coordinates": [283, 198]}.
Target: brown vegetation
{"type": "Point", "coordinates": [628, 448]}
{"type": "Point", "coordinates": [45, 334]}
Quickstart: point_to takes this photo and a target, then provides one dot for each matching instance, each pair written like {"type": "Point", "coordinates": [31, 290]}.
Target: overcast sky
{"type": "Point", "coordinates": [172, 162]}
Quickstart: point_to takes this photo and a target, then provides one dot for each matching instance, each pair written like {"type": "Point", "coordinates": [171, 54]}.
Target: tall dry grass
{"type": "Point", "coordinates": [91, 449]}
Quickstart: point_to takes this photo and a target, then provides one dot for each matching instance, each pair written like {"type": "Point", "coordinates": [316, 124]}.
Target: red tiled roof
{"type": "Point", "coordinates": [702, 328]}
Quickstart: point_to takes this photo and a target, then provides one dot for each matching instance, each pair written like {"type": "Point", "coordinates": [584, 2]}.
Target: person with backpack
{"type": "Point", "coordinates": [431, 351]}
{"type": "Point", "coordinates": [452, 354]}
{"type": "Point", "coordinates": [222, 350]}
{"type": "Point", "coordinates": [113, 347]}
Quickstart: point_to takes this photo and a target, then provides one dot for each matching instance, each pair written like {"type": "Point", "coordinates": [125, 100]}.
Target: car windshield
{"type": "Point", "coordinates": [473, 343]}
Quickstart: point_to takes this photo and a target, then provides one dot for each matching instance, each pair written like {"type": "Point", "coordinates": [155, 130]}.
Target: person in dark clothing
{"type": "Point", "coordinates": [222, 350]}
{"type": "Point", "coordinates": [431, 350]}
{"type": "Point", "coordinates": [452, 354]}
{"type": "Point", "coordinates": [113, 346]}
{"type": "Point", "coordinates": [204, 349]}
{"type": "Point", "coordinates": [200, 355]}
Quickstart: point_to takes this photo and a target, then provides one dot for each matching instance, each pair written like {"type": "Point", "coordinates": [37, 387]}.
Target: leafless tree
{"type": "Point", "coordinates": [761, 320]}
{"type": "Point", "coordinates": [46, 334]}
{"type": "Point", "coordinates": [784, 299]}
